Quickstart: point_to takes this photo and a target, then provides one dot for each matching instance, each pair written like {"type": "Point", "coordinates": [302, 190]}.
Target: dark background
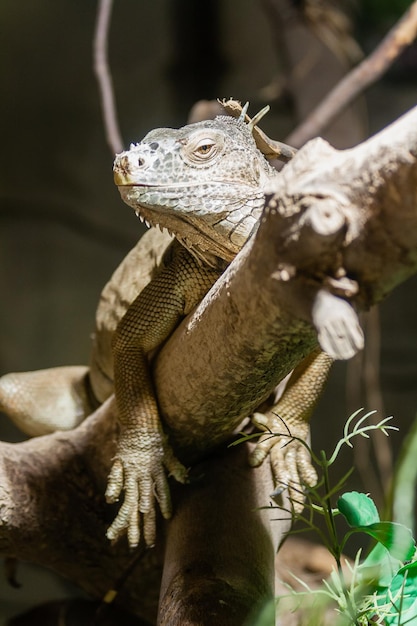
{"type": "Point", "coordinates": [63, 227]}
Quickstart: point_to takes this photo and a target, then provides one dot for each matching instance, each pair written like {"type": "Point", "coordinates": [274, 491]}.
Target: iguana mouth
{"type": "Point", "coordinates": [202, 240]}
{"type": "Point", "coordinates": [122, 181]}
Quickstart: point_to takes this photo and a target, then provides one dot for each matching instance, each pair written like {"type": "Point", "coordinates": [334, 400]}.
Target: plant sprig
{"type": "Point", "coordinates": [382, 588]}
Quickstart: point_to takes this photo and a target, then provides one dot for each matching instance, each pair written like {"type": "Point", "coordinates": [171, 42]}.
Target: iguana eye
{"type": "Point", "coordinates": [202, 147]}
{"type": "Point", "coordinates": [205, 148]}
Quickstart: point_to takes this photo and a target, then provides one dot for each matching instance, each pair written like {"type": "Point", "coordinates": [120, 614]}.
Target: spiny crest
{"type": "Point", "coordinates": [243, 121]}
{"type": "Point", "coordinates": [252, 122]}
{"type": "Point", "coordinates": [242, 116]}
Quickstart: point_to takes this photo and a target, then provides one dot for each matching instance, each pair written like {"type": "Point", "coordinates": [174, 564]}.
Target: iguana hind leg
{"type": "Point", "coordinates": [287, 425]}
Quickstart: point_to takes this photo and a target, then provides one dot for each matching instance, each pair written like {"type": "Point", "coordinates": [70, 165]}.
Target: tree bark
{"type": "Point", "coordinates": [220, 545]}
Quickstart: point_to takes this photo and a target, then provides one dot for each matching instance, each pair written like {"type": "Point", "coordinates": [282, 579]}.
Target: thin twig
{"type": "Point", "coordinates": [102, 72]}
{"type": "Point", "coordinates": [366, 73]}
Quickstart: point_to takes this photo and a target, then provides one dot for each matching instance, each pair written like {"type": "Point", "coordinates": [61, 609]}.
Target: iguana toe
{"type": "Point", "coordinates": [114, 482]}
{"type": "Point", "coordinates": [290, 460]}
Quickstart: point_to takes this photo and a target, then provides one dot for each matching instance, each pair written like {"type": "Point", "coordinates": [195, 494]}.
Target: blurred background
{"type": "Point", "coordinates": [64, 229]}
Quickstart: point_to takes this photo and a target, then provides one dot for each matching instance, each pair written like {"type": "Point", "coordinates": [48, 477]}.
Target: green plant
{"type": "Point", "coordinates": [382, 588]}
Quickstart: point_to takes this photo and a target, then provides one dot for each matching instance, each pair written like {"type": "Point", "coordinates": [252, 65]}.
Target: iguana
{"type": "Point", "coordinates": [204, 186]}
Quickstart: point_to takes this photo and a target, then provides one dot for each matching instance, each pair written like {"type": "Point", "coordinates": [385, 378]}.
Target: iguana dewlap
{"type": "Point", "coordinates": [205, 184]}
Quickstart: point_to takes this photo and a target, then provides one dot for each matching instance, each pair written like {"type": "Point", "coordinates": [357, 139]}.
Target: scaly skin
{"type": "Point", "coordinates": [205, 183]}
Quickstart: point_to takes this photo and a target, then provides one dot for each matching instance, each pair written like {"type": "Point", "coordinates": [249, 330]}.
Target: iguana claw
{"type": "Point", "coordinates": [139, 470]}
{"type": "Point", "coordinates": [290, 460]}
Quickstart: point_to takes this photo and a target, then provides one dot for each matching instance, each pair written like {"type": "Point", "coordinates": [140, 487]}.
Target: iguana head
{"type": "Point", "coordinates": [203, 182]}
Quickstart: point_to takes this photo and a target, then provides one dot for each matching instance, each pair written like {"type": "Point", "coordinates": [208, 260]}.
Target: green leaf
{"type": "Point", "coordinates": [362, 516]}
{"type": "Point", "coordinates": [358, 509]}
{"type": "Point", "coordinates": [395, 537]}
{"type": "Point", "coordinates": [410, 568]}
{"type": "Point", "coordinates": [379, 566]}
{"type": "Point", "coordinates": [402, 595]}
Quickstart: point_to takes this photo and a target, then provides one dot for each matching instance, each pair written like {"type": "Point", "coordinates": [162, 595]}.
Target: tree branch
{"type": "Point", "coordinates": [52, 508]}
{"type": "Point", "coordinates": [354, 83]}
{"type": "Point", "coordinates": [256, 324]}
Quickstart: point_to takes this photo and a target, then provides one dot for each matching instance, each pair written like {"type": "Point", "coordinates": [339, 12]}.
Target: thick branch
{"type": "Point", "coordinates": [256, 323]}
{"type": "Point", "coordinates": [53, 513]}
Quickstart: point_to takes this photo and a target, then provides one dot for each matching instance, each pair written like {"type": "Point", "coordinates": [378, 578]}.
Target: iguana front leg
{"type": "Point", "coordinates": [143, 452]}
{"type": "Point", "coordinates": [287, 423]}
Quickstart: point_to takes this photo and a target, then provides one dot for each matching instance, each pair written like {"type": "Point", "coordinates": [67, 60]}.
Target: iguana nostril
{"type": "Point", "coordinates": [124, 163]}
{"type": "Point", "coordinates": [141, 162]}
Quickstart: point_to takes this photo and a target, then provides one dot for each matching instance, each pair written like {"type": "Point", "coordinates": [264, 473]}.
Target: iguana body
{"type": "Point", "coordinates": [205, 183]}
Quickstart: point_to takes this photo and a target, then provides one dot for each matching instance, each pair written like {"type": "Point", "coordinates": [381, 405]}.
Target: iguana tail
{"type": "Point", "coordinates": [47, 400]}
